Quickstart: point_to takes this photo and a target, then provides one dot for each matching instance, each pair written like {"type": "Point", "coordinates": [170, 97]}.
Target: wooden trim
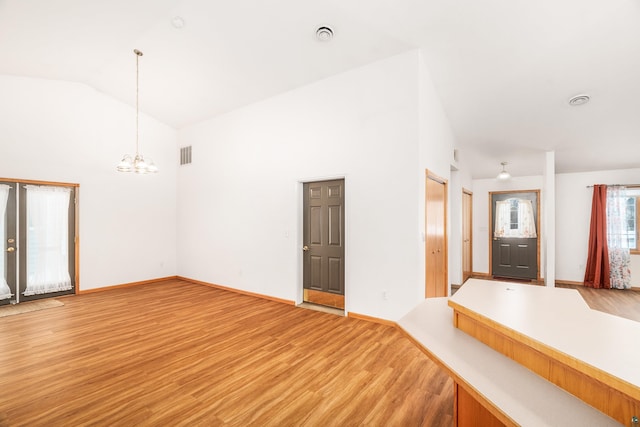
{"type": "Point", "coordinates": [469, 193]}
{"type": "Point", "coordinates": [494, 410]}
{"type": "Point", "coordinates": [478, 275]}
{"type": "Point", "coordinates": [516, 191]}
{"type": "Point", "coordinates": [36, 182]}
{"type": "Point", "coordinates": [605, 392]}
{"type": "Point", "coordinates": [76, 187]}
{"type": "Point", "coordinates": [538, 230]}
{"type": "Point", "coordinates": [574, 283]}
{"type": "Point", "coordinates": [436, 178]}
{"type": "Point", "coordinates": [372, 319]}
{"type": "Point", "coordinates": [237, 291]}
{"type": "Point", "coordinates": [127, 285]}
{"type": "Point", "coordinates": [569, 282]}
{"type": "Point", "coordinates": [77, 239]}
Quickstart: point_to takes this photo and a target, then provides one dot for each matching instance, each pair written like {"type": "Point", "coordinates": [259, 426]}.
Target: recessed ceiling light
{"type": "Point", "coordinates": [177, 22]}
{"type": "Point", "coordinates": [324, 34]}
{"type": "Point", "coordinates": [579, 100]}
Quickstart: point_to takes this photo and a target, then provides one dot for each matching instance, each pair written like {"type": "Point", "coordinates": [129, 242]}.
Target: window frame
{"type": "Point", "coordinates": [637, 197]}
{"type": "Point", "coordinates": [637, 249]}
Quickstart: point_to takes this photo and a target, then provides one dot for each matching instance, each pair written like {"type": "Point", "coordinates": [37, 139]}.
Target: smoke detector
{"type": "Point", "coordinates": [579, 100]}
{"type": "Point", "coordinates": [324, 34]}
{"type": "Point", "coordinates": [177, 22]}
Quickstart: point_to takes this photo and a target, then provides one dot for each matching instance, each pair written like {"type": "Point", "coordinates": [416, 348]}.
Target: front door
{"type": "Point", "coordinates": [515, 225]}
{"type": "Point", "coordinates": [323, 264]}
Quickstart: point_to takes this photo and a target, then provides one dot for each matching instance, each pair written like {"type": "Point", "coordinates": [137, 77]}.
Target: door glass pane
{"type": "Point", "coordinates": [47, 240]}
{"type": "Point", "coordinates": [514, 218]}
{"type": "Point", "coordinates": [5, 292]}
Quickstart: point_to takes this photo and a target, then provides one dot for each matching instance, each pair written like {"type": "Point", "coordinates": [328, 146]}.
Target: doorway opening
{"type": "Point", "coordinates": [436, 251]}
{"type": "Point", "coordinates": [467, 234]}
{"type": "Point", "coordinates": [514, 249]}
{"type": "Point", "coordinates": [323, 247]}
{"type": "Point", "coordinates": [38, 235]}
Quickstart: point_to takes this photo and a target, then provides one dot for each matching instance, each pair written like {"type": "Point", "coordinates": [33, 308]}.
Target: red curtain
{"type": "Point", "coordinates": [597, 273]}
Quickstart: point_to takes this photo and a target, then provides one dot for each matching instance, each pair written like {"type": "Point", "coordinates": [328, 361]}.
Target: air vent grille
{"type": "Point", "coordinates": [185, 155]}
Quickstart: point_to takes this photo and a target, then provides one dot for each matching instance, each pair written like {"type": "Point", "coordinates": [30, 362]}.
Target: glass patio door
{"type": "Point", "coordinates": [38, 241]}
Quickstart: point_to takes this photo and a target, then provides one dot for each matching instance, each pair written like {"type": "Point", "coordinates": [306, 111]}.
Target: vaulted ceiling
{"type": "Point", "coordinates": [504, 70]}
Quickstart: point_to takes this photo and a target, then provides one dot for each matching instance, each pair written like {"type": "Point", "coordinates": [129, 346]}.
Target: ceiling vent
{"type": "Point", "coordinates": [185, 155]}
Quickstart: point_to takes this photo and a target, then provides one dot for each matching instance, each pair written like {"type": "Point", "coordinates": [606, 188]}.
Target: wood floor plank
{"type": "Point", "coordinates": [177, 353]}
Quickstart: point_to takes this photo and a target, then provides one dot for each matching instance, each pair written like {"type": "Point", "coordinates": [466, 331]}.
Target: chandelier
{"type": "Point", "coordinates": [137, 163]}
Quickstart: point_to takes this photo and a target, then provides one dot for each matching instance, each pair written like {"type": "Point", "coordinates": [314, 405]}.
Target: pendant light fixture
{"type": "Point", "coordinates": [136, 163]}
{"type": "Point", "coordinates": [504, 175]}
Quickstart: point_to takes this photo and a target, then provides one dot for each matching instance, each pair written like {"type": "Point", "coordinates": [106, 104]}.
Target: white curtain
{"type": "Point", "coordinates": [5, 292]}
{"type": "Point", "coordinates": [618, 238]}
{"type": "Point", "coordinates": [523, 227]}
{"type": "Point", "coordinates": [47, 239]}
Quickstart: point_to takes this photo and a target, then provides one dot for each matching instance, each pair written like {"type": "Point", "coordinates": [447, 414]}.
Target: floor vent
{"type": "Point", "coordinates": [185, 155]}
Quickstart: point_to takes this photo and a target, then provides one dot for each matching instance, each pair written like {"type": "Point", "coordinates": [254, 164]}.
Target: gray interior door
{"type": "Point", "coordinates": [323, 268]}
{"type": "Point", "coordinates": [9, 252]}
{"type": "Point", "coordinates": [514, 246]}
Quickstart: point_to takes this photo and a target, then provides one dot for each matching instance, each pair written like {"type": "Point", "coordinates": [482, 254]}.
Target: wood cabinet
{"type": "Point", "coordinates": [468, 412]}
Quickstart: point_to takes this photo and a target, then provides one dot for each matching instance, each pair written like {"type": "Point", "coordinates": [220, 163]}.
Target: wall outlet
{"type": "Point", "coordinates": [385, 295]}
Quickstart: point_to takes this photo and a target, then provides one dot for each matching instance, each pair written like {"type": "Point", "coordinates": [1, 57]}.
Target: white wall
{"type": "Point", "coordinates": [436, 145]}
{"type": "Point", "coordinates": [573, 217]}
{"type": "Point", "coordinates": [548, 224]}
{"type": "Point", "coordinates": [239, 209]}
{"type": "Point", "coordinates": [481, 226]}
{"type": "Point", "coordinates": [68, 132]}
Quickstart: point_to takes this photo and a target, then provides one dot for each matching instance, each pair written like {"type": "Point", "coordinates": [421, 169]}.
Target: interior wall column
{"type": "Point", "coordinates": [549, 219]}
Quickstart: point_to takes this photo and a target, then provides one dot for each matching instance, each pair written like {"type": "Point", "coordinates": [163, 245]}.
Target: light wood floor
{"type": "Point", "coordinates": [177, 353]}
{"type": "Point", "coordinates": [623, 303]}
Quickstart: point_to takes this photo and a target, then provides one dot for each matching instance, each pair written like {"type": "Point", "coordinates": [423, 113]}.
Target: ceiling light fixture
{"type": "Point", "coordinates": [579, 100]}
{"type": "Point", "coordinates": [504, 175]}
{"type": "Point", "coordinates": [324, 34]}
{"type": "Point", "coordinates": [137, 163]}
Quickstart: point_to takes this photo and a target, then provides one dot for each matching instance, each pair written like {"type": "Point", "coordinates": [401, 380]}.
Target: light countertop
{"type": "Point", "coordinates": [523, 396]}
{"type": "Point", "coordinates": [560, 319]}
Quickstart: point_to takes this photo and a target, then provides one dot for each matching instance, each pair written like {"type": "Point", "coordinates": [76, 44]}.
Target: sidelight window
{"type": "Point", "coordinates": [626, 202]}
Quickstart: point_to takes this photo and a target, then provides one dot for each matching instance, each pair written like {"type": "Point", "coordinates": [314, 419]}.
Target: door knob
{"type": "Point", "coordinates": [11, 249]}
{"type": "Point", "coordinates": [305, 248]}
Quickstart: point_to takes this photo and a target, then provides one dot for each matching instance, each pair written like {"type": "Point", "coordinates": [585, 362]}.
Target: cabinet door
{"type": "Point", "coordinates": [470, 413]}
